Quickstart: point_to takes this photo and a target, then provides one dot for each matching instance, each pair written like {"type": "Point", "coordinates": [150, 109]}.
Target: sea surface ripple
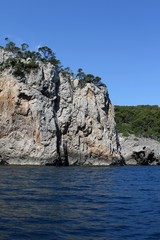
{"type": "Point", "coordinates": [75, 203]}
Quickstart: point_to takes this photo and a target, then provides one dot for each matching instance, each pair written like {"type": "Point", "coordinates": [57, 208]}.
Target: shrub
{"type": "Point", "coordinates": [88, 78]}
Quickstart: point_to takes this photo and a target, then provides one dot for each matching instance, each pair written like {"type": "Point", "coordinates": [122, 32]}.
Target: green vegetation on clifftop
{"type": "Point", "coordinates": [142, 120]}
{"type": "Point", "coordinates": [23, 61]}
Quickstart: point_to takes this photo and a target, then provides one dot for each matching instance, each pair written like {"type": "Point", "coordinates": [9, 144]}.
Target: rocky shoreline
{"type": "Point", "coordinates": [133, 152]}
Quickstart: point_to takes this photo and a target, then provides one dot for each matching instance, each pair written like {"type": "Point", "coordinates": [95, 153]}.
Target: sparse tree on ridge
{"type": "Point", "coordinates": [24, 46]}
{"type": "Point", "coordinates": [47, 53]}
{"type": "Point", "coordinates": [11, 46]}
{"type": "Point", "coordinates": [80, 74]}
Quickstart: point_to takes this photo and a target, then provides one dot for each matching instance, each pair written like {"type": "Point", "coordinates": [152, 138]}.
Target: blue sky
{"type": "Point", "coordinates": [118, 40]}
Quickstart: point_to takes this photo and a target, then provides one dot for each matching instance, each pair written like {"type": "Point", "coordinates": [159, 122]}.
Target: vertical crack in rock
{"type": "Point", "coordinates": [58, 162]}
{"type": "Point", "coordinates": [61, 145]}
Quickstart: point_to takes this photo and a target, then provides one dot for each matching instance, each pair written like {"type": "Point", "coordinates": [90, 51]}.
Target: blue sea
{"type": "Point", "coordinates": [79, 203]}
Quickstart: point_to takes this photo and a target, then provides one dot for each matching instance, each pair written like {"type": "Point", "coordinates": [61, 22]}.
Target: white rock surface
{"type": "Point", "coordinates": [86, 119]}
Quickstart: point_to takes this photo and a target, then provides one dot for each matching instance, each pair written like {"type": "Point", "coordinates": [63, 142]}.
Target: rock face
{"type": "Point", "coordinates": [47, 118]}
{"type": "Point", "coordinates": [86, 120]}
{"type": "Point", "coordinates": [131, 145]}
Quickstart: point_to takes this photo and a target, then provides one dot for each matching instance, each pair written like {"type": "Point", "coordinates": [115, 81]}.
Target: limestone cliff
{"type": "Point", "coordinates": [46, 117]}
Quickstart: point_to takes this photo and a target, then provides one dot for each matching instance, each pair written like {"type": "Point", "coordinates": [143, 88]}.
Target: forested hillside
{"type": "Point", "coordinates": [142, 120]}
